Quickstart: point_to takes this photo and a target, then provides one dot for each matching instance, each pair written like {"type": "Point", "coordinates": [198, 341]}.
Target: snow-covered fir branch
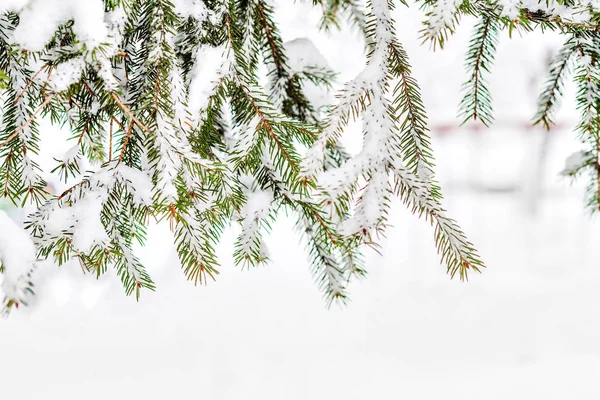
{"type": "Point", "coordinates": [395, 137]}
{"type": "Point", "coordinates": [197, 114]}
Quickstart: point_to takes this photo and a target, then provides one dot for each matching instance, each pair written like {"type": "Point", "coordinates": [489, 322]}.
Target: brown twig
{"type": "Point", "coordinates": [129, 113]}
{"type": "Point", "coordinates": [69, 190]}
{"type": "Point", "coordinates": [82, 134]}
{"type": "Point", "coordinates": [126, 141]}
{"type": "Point", "coordinates": [7, 163]}
{"type": "Point", "coordinates": [26, 123]}
{"type": "Point", "coordinates": [118, 123]}
{"type": "Point", "coordinates": [29, 83]}
{"type": "Point", "coordinates": [110, 141]}
{"type": "Point", "coordinates": [88, 88]}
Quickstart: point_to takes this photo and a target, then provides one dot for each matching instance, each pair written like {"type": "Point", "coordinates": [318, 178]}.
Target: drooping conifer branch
{"type": "Point", "coordinates": [169, 105]}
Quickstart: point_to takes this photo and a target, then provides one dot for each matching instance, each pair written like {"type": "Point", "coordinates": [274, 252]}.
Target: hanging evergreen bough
{"type": "Point", "coordinates": [477, 102]}
{"type": "Point", "coordinates": [577, 20]}
{"type": "Point", "coordinates": [172, 121]}
{"type": "Point", "coordinates": [553, 87]}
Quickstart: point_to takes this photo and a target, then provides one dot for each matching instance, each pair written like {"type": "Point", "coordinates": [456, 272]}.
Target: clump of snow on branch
{"type": "Point", "coordinates": [576, 161]}
{"type": "Point", "coordinates": [212, 64]}
{"type": "Point", "coordinates": [83, 216]}
{"type": "Point", "coordinates": [441, 16]}
{"type": "Point", "coordinates": [67, 73]}
{"type": "Point", "coordinates": [257, 208]}
{"type": "Point", "coordinates": [577, 11]}
{"type": "Point", "coordinates": [17, 258]}
{"type": "Point", "coordinates": [191, 8]}
{"type": "Point", "coordinates": [304, 56]}
{"type": "Point", "coordinates": [39, 19]}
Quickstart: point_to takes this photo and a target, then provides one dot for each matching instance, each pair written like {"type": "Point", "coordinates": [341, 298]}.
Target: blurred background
{"type": "Point", "coordinates": [526, 328]}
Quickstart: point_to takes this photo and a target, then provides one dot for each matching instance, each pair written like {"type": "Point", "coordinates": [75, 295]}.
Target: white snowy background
{"type": "Point", "coordinates": [527, 328]}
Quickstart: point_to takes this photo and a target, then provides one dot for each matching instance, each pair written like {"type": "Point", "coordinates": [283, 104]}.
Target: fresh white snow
{"type": "Point", "coordinates": [40, 18]}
